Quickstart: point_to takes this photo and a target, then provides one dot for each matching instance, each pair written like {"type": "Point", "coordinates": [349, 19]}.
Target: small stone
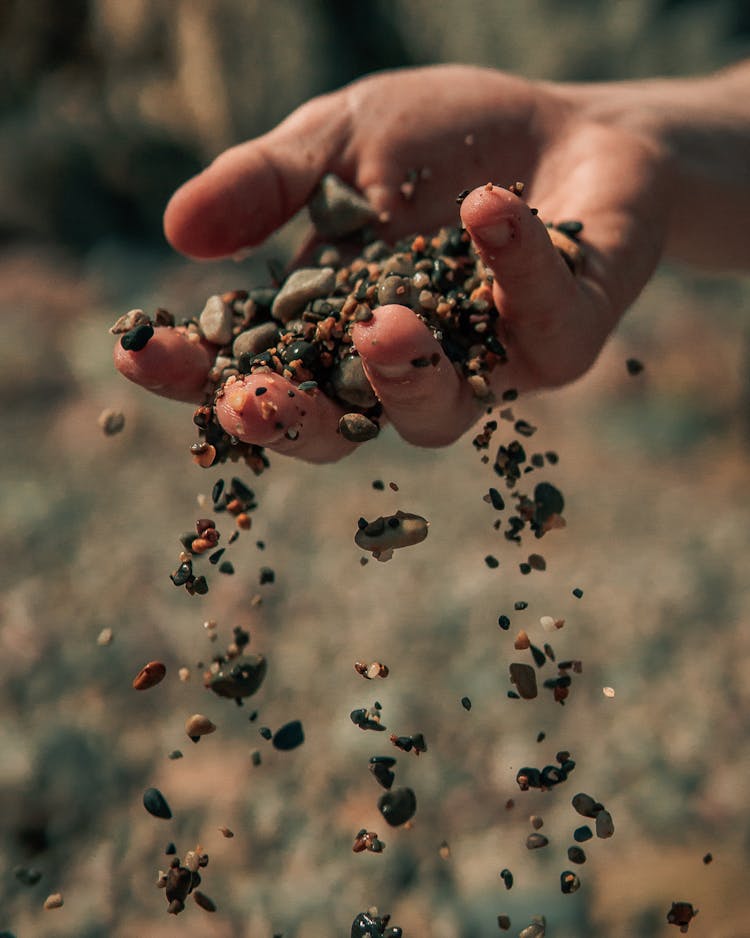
{"type": "Point", "coordinates": [128, 321]}
{"type": "Point", "coordinates": [681, 914]}
{"type": "Point", "coordinates": [175, 754]}
{"type": "Point", "coordinates": [391, 531]}
{"type": "Point", "coordinates": [150, 675]}
{"type": "Point", "coordinates": [578, 592]}
{"type": "Point", "coordinates": [184, 675]}
{"type": "Point", "coordinates": [492, 562]}
{"type": "Point", "coordinates": [507, 878]}
{"type": "Point", "coordinates": [198, 725]}
{"type": "Point", "coordinates": [503, 622]}
{"type": "Point", "coordinates": [521, 642]}
{"type": "Point", "coordinates": [569, 882]}
{"type": "Point", "coordinates": [215, 321]}
{"type": "Point", "coordinates": [608, 691]}
{"type": "Point", "coordinates": [105, 637]}
{"type": "Point", "coordinates": [300, 287]}
{"type": "Point", "coordinates": [351, 384]}
{"type": "Point", "coordinates": [524, 678]}
{"type": "Point", "coordinates": [534, 930]}
{"type": "Point", "coordinates": [156, 804]}
{"type": "Point", "coordinates": [137, 338]}
{"type": "Point", "coordinates": [444, 850]}
{"type": "Point", "coordinates": [708, 858]}
{"type": "Point", "coordinates": [111, 421]}
{"type": "Point", "coordinates": [255, 340]}
{"type": "Point", "coordinates": [536, 841]}
{"type": "Point", "coordinates": [582, 834]}
{"type": "Point", "coordinates": [466, 703]}
{"type": "Point", "coordinates": [536, 821]}
{"type": "Point", "coordinates": [585, 805]}
{"type": "Point", "coordinates": [202, 900]}
{"type": "Point", "coordinates": [576, 855]}
{"type": "Point", "coordinates": [605, 826]}
{"type": "Point", "coordinates": [633, 366]}
{"type": "Point", "coordinates": [226, 832]}
{"type": "Point", "coordinates": [27, 875]}
{"type": "Point", "coordinates": [357, 428]}
{"type": "Point", "coordinates": [503, 922]}
{"type": "Point", "coordinates": [337, 209]}
{"type": "Point", "coordinates": [289, 736]}
{"type": "Point", "coordinates": [398, 806]}
{"type": "Point", "coordinates": [255, 757]}
{"type": "Point", "coordinates": [54, 901]}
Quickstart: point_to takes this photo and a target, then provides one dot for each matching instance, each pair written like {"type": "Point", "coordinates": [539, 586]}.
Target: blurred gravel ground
{"type": "Point", "coordinates": [104, 107]}
{"type": "Point", "coordinates": [654, 469]}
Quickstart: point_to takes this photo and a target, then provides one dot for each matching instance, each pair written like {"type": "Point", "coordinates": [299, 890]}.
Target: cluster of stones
{"type": "Point", "coordinates": [182, 880]}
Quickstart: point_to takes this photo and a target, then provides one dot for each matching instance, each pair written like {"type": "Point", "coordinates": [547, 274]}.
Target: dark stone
{"type": "Point", "coordinates": [137, 338]}
{"type": "Point", "coordinates": [289, 736]}
{"type": "Point", "coordinates": [156, 804]}
{"type": "Point", "coordinates": [398, 806]}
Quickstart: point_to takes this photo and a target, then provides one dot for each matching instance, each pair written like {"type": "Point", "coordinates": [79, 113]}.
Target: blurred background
{"type": "Point", "coordinates": [105, 108]}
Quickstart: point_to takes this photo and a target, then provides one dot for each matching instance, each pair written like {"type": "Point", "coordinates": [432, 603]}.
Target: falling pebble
{"type": "Point", "coordinates": [289, 736]}
{"type": "Point", "coordinates": [111, 422]}
{"type": "Point", "coordinates": [156, 804]}
{"type": "Point", "coordinates": [466, 703]}
{"type": "Point", "coordinates": [105, 637]}
{"type": "Point", "coordinates": [226, 832]}
{"type": "Point", "coordinates": [608, 691]}
{"type": "Point", "coordinates": [634, 366]}
{"type": "Point", "coordinates": [53, 901]}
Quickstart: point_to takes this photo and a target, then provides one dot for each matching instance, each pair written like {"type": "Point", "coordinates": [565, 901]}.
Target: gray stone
{"type": "Point", "coordinates": [337, 210]}
{"type": "Point", "coordinates": [256, 340]}
{"type": "Point", "coordinates": [395, 289]}
{"type": "Point", "coordinates": [303, 285]}
{"type": "Point", "coordinates": [216, 321]}
{"type": "Point", "coordinates": [605, 826]}
{"type": "Point", "coordinates": [351, 385]}
{"type": "Point", "coordinates": [397, 264]}
{"type": "Point", "coordinates": [524, 677]}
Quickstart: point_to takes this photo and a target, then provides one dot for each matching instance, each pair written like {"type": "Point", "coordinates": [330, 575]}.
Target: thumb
{"type": "Point", "coordinates": [544, 309]}
{"type": "Point", "coordinates": [250, 190]}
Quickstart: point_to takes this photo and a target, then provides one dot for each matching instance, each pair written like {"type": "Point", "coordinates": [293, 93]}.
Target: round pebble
{"type": "Point", "coordinates": [199, 725]}
{"type": "Point", "coordinates": [54, 901]}
{"type": "Point", "coordinates": [289, 736]}
{"type": "Point", "coordinates": [150, 675]}
{"type": "Point", "coordinates": [357, 428]}
{"type": "Point", "coordinates": [398, 806]}
{"type": "Point", "coordinates": [215, 321]}
{"type": "Point", "coordinates": [524, 678]}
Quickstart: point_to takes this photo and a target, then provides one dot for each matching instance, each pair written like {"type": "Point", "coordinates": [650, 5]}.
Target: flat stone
{"type": "Point", "coordinates": [524, 677]}
{"type": "Point", "coordinates": [308, 283]}
{"type": "Point", "coordinates": [216, 321]}
{"type": "Point", "coordinates": [256, 340]}
{"type": "Point", "coordinates": [337, 210]}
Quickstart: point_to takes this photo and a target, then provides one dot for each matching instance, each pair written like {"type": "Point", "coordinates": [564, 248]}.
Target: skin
{"type": "Point", "coordinates": [649, 167]}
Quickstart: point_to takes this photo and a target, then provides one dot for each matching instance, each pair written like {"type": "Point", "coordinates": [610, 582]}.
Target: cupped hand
{"type": "Point", "coordinates": [465, 126]}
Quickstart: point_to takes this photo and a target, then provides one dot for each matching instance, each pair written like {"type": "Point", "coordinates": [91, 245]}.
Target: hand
{"type": "Point", "coordinates": [467, 126]}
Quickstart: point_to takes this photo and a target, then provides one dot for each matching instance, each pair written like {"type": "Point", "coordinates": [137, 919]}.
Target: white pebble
{"type": "Point", "coordinates": [547, 623]}
{"type": "Point", "coordinates": [608, 691]}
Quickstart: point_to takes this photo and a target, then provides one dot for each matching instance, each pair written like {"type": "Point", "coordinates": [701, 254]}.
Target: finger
{"type": "Point", "coordinates": [252, 189]}
{"type": "Point", "coordinates": [423, 396]}
{"type": "Point", "coordinates": [550, 320]}
{"type": "Point", "coordinates": [268, 410]}
{"type": "Point", "coordinates": [173, 364]}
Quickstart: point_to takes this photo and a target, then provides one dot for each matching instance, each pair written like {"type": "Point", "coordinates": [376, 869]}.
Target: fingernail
{"type": "Point", "coordinates": [497, 235]}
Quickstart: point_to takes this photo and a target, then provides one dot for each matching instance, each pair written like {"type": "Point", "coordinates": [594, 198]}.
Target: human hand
{"type": "Point", "coordinates": [466, 125]}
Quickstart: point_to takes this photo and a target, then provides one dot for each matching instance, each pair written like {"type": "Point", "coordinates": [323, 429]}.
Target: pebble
{"type": "Point", "coordinates": [681, 914]}
{"type": "Point", "coordinates": [27, 875]}
{"type": "Point", "coordinates": [503, 622]}
{"type": "Point", "coordinates": [503, 922]}
{"type": "Point", "coordinates": [289, 736]}
{"type": "Point", "coordinates": [466, 703]}
{"type": "Point", "coordinates": [226, 832]}
{"type": "Point", "coordinates": [337, 209]}
{"type": "Point", "coordinates": [202, 900]}
{"type": "Point", "coordinates": [492, 562]}
{"type": "Point", "coordinates": [105, 637]}
{"type": "Point", "coordinates": [507, 877]}
{"type": "Point", "coordinates": [608, 691]}
{"type": "Point", "coordinates": [569, 882]}
{"type": "Point", "coordinates": [256, 340]}
{"type": "Point", "coordinates": [585, 805]}
{"type": "Point", "coordinates": [350, 383]}
{"type": "Point", "coordinates": [198, 725]}
{"type": "Point", "coordinates": [398, 806]}
{"type": "Point", "coordinates": [239, 678]}
{"type": "Point", "coordinates": [605, 826]}
{"type": "Point", "coordinates": [357, 428]}
{"type": "Point", "coordinates": [137, 338]}
{"type": "Point", "coordinates": [524, 678]}
{"type": "Point", "coordinates": [708, 858]}
{"type": "Point", "coordinates": [156, 804]}
{"type": "Point", "coordinates": [633, 366]}
{"type": "Point", "coordinates": [305, 284]}
{"type": "Point", "coordinates": [54, 901]}
{"type": "Point", "coordinates": [150, 675]}
{"type": "Point", "coordinates": [576, 855]}
{"type": "Point", "coordinates": [175, 754]}
{"type": "Point", "coordinates": [215, 321]}
{"type": "Point", "coordinates": [391, 531]}
{"type": "Point", "coordinates": [111, 421]}
{"type": "Point", "coordinates": [582, 834]}
{"type": "Point", "coordinates": [534, 930]}
{"type": "Point", "coordinates": [382, 768]}
{"type": "Point", "coordinates": [255, 757]}
{"type": "Point", "coordinates": [536, 821]}
{"type": "Point", "coordinates": [535, 841]}
{"type": "Point", "coordinates": [128, 321]}
{"type": "Point", "coordinates": [578, 592]}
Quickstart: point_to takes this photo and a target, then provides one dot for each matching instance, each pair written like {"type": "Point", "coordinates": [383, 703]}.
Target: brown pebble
{"type": "Point", "coordinates": [199, 725]}
{"type": "Point", "coordinates": [524, 677]}
{"type": "Point", "coordinates": [150, 675]}
{"type": "Point", "coordinates": [444, 850]}
{"type": "Point", "coordinates": [111, 421]}
{"type": "Point", "coordinates": [536, 821]}
{"type": "Point", "coordinates": [357, 428]}
{"type": "Point", "coordinates": [54, 901]}
{"type": "Point", "coordinates": [522, 641]}
{"type": "Point", "coordinates": [226, 832]}
{"type": "Point", "coordinates": [201, 899]}
{"type": "Point", "coordinates": [535, 841]}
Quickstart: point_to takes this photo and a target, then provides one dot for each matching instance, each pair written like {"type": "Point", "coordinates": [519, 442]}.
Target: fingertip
{"type": "Point", "coordinates": [172, 364]}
